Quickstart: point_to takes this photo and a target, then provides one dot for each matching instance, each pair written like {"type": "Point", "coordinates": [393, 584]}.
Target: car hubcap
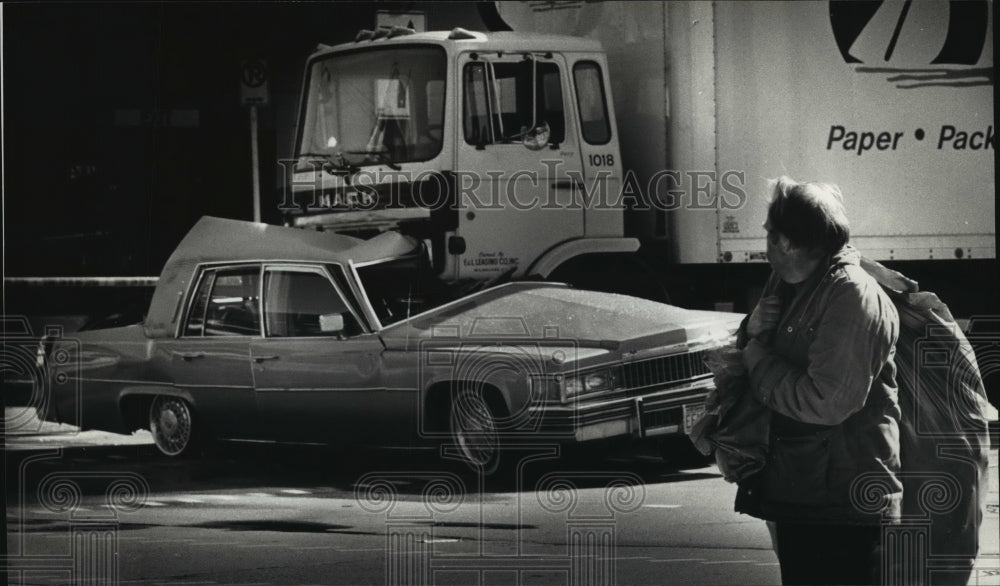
{"type": "Point", "coordinates": [170, 424]}
{"type": "Point", "coordinates": [474, 429]}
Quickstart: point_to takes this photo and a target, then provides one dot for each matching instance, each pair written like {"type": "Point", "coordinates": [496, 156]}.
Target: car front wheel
{"type": "Point", "coordinates": [473, 425]}
{"type": "Point", "coordinates": [171, 422]}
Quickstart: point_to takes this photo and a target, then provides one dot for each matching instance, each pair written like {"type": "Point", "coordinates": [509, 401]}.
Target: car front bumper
{"type": "Point", "coordinates": [649, 414]}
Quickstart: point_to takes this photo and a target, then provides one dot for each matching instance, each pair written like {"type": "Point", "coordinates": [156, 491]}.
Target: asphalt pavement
{"type": "Point", "coordinates": [259, 515]}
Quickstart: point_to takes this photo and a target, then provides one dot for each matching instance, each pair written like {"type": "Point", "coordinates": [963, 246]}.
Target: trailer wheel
{"type": "Point", "coordinates": [172, 423]}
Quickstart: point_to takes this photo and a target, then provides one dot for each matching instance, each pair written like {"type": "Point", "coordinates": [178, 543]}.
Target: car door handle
{"type": "Point", "coordinates": [190, 355]}
{"type": "Point", "coordinates": [263, 358]}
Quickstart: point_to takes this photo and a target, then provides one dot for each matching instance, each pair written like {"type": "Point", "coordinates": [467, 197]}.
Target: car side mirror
{"type": "Point", "coordinates": [331, 323]}
{"type": "Point", "coordinates": [536, 138]}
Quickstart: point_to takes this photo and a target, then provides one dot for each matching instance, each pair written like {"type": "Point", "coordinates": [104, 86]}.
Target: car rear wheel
{"type": "Point", "coordinates": [171, 422]}
{"type": "Point", "coordinates": [473, 426]}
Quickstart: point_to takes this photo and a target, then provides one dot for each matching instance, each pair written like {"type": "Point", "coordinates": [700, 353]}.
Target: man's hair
{"type": "Point", "coordinates": [810, 215]}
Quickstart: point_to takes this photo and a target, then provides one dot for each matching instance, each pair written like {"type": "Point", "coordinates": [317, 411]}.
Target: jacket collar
{"type": "Point", "coordinates": [847, 255]}
{"type": "Point", "coordinates": [804, 292]}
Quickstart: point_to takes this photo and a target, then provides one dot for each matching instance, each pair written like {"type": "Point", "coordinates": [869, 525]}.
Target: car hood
{"type": "Point", "coordinates": [559, 315]}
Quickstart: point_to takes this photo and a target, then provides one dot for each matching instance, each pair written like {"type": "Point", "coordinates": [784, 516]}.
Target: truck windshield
{"type": "Point", "coordinates": [379, 106]}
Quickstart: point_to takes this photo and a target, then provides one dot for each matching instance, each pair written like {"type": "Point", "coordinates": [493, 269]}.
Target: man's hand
{"type": "Point", "coordinates": [764, 317]}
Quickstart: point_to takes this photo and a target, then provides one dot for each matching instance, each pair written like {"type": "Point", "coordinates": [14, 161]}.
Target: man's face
{"type": "Point", "coordinates": [779, 251]}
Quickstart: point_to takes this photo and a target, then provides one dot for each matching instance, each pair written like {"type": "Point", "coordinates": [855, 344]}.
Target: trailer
{"type": "Point", "coordinates": [633, 153]}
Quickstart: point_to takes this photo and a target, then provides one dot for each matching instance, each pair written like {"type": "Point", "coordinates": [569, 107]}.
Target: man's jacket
{"type": "Point", "coordinates": [828, 375]}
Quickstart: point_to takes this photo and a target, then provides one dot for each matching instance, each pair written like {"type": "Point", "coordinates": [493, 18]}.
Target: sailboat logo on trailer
{"type": "Point", "coordinates": [917, 44]}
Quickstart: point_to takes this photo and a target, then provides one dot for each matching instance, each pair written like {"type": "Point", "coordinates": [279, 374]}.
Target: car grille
{"type": "Point", "coordinates": [664, 371]}
{"type": "Point", "coordinates": [662, 418]}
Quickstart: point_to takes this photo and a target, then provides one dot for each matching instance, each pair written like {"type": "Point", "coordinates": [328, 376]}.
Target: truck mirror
{"type": "Point", "coordinates": [331, 323]}
{"type": "Point", "coordinates": [536, 138]}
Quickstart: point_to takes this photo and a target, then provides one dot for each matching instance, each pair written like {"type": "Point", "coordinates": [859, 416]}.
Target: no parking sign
{"type": "Point", "coordinates": [253, 93]}
{"type": "Point", "coordinates": [253, 83]}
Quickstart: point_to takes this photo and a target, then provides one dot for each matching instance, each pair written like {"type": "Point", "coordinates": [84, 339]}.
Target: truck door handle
{"type": "Point", "coordinates": [263, 358]}
{"type": "Point", "coordinates": [566, 184]}
{"type": "Point", "coordinates": [188, 356]}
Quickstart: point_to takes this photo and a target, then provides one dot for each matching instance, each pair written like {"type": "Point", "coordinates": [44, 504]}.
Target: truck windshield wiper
{"type": "Point", "coordinates": [380, 156]}
{"type": "Point", "coordinates": [334, 164]}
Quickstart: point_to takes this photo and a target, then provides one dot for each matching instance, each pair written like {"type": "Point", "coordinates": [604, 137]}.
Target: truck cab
{"type": "Point", "coordinates": [498, 149]}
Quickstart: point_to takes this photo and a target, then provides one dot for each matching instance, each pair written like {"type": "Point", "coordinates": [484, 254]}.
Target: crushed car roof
{"type": "Point", "coordinates": [213, 240]}
{"type": "Point", "coordinates": [476, 41]}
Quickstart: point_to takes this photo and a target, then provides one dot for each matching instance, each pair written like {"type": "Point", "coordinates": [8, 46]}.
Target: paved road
{"type": "Point", "coordinates": [270, 515]}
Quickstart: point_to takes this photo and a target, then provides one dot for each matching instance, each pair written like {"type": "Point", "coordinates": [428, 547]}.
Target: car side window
{"type": "Point", "coordinates": [195, 324]}
{"type": "Point", "coordinates": [304, 303]}
{"type": "Point", "coordinates": [226, 303]}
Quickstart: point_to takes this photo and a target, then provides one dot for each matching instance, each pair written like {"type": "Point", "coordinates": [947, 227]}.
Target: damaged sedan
{"type": "Point", "coordinates": [260, 332]}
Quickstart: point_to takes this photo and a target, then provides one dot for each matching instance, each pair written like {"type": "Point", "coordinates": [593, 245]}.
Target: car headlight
{"type": "Point", "coordinates": [590, 382]}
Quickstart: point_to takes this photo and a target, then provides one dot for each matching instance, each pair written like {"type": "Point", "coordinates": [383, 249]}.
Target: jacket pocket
{"type": "Point", "coordinates": [796, 470]}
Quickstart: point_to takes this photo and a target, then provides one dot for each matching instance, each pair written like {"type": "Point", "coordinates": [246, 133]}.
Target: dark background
{"type": "Point", "coordinates": [124, 124]}
{"type": "Point", "coordinates": [124, 121]}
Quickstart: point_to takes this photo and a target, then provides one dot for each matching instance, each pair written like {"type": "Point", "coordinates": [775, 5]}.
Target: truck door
{"type": "Point", "coordinates": [602, 166]}
{"type": "Point", "coordinates": [518, 155]}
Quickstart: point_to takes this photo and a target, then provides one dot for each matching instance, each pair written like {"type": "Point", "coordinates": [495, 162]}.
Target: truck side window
{"type": "Point", "coordinates": [476, 114]}
{"type": "Point", "coordinates": [591, 101]}
{"type": "Point", "coordinates": [498, 101]}
{"type": "Point", "coordinates": [294, 302]}
{"type": "Point", "coordinates": [435, 108]}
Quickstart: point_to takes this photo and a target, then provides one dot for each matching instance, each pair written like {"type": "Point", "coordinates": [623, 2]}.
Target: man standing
{"type": "Point", "coordinates": [819, 348]}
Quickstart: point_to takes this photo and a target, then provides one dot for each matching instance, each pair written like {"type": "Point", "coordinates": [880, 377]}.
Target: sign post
{"type": "Point", "coordinates": [254, 93]}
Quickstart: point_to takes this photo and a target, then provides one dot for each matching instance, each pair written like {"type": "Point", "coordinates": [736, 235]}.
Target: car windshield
{"type": "Point", "coordinates": [378, 106]}
{"type": "Point", "coordinates": [401, 288]}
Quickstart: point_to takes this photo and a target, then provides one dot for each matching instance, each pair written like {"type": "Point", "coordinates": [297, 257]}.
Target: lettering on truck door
{"type": "Point", "coordinates": [519, 151]}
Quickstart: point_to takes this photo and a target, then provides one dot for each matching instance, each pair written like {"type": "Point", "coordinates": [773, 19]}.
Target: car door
{"type": "Point", "coordinates": [210, 358]}
{"type": "Point", "coordinates": [316, 370]}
